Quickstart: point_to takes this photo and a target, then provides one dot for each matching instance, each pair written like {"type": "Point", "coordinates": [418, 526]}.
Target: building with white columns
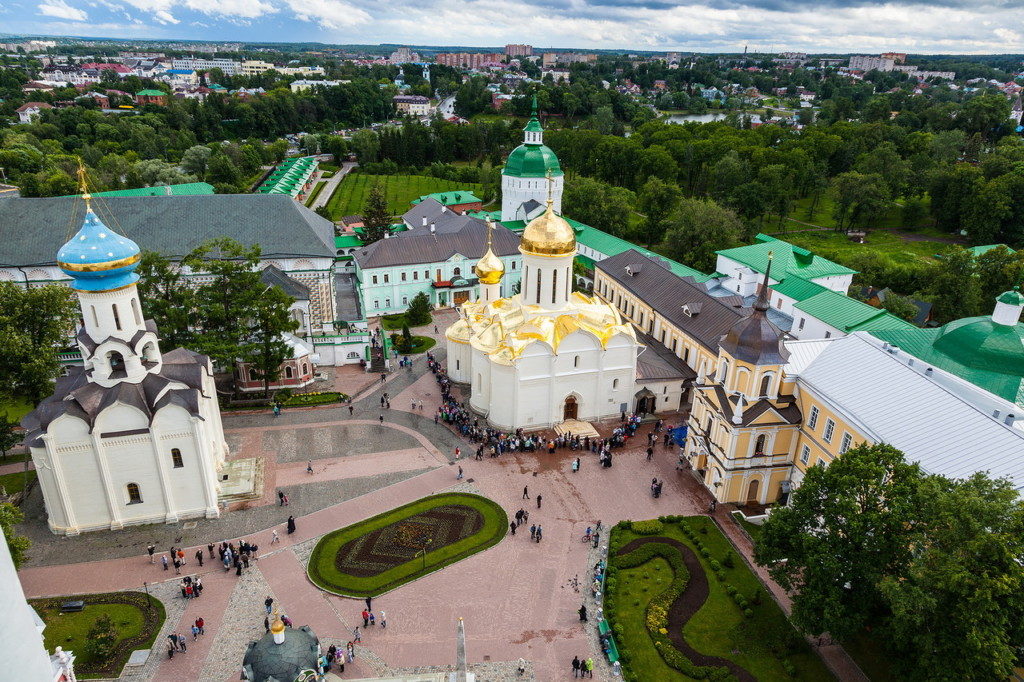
{"type": "Point", "coordinates": [134, 436]}
{"type": "Point", "coordinates": [548, 354]}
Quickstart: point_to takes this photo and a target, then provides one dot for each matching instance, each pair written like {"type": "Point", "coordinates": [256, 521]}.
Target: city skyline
{"type": "Point", "coordinates": [841, 26]}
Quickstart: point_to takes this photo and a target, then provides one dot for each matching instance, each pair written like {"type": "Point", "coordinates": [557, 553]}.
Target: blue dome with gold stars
{"type": "Point", "coordinates": [98, 258]}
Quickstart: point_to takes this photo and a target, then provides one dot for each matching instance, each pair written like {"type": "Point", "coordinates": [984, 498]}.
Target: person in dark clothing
{"type": "Point", "coordinates": [291, 525]}
{"type": "Point", "coordinates": [526, 492]}
{"type": "Point", "coordinates": [210, 548]}
{"type": "Point", "coordinates": [538, 501]}
{"type": "Point", "coordinates": [575, 666]}
{"type": "Point", "coordinates": [583, 613]}
{"type": "Point", "coordinates": [369, 603]}
{"type": "Point", "coordinates": [512, 525]}
{"type": "Point", "coordinates": [199, 557]}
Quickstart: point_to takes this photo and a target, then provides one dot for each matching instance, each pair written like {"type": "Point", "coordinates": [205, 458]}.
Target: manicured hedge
{"type": "Point", "coordinates": [315, 398]}
{"type": "Point", "coordinates": [325, 575]}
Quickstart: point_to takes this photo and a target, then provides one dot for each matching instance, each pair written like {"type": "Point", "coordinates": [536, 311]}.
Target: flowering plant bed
{"type": "Point", "coordinates": [393, 548]}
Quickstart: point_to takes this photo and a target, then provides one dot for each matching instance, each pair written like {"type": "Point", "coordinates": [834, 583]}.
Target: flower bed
{"type": "Point", "coordinates": [379, 554]}
{"type": "Point", "coordinates": [138, 623]}
{"type": "Point", "coordinates": [314, 398]}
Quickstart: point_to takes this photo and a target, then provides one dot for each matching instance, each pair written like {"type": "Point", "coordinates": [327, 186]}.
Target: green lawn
{"type": "Point", "coordinates": [15, 408]}
{"type": "Point", "coordinates": [350, 196]}
{"type": "Point", "coordinates": [315, 193]}
{"type": "Point", "coordinates": [14, 482]}
{"type": "Point", "coordinates": [420, 344]}
{"type": "Point", "coordinates": [753, 530]}
{"type": "Point", "coordinates": [871, 657]}
{"type": "Point", "coordinates": [324, 573]}
{"type": "Point", "coordinates": [719, 628]}
{"type": "Point", "coordinates": [137, 628]}
{"type": "Point", "coordinates": [395, 322]}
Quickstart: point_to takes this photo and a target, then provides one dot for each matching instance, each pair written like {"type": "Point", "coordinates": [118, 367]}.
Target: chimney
{"type": "Point", "coordinates": [387, 235]}
{"type": "Point", "coordinates": [431, 228]}
{"type": "Point", "coordinates": [424, 221]}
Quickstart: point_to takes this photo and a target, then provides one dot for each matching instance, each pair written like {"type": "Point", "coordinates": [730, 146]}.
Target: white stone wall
{"type": "Point", "coordinates": [515, 191]}
{"type": "Point", "coordinates": [20, 638]}
{"type": "Point", "coordinates": [552, 288]}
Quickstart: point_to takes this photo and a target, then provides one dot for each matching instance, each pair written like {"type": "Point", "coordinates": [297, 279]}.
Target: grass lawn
{"type": "Point", "coordinates": [719, 628]}
{"type": "Point", "coordinates": [136, 627]}
{"type": "Point", "coordinates": [323, 563]}
{"type": "Point", "coordinates": [420, 344]}
{"type": "Point", "coordinates": [15, 408]}
{"type": "Point", "coordinates": [753, 530]}
{"type": "Point", "coordinates": [315, 193]}
{"type": "Point", "coordinates": [395, 322]}
{"type": "Point", "coordinates": [14, 482]}
{"type": "Point", "coordinates": [350, 196]}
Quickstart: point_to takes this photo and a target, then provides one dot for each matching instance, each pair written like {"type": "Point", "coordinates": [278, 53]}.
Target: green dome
{"type": "Point", "coordinates": [983, 344]}
{"type": "Point", "coordinates": [532, 161]}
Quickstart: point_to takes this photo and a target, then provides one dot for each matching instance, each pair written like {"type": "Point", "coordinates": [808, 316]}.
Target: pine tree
{"type": "Point", "coordinates": [376, 218]}
{"type": "Point", "coordinates": [419, 310]}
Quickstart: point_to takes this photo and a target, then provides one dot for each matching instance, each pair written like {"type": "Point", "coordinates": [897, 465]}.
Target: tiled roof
{"type": "Point", "coordinates": [787, 259]}
{"type": "Point", "coordinates": [667, 293]}
{"type": "Point", "coordinates": [274, 277]}
{"type": "Point", "coordinates": [33, 229]}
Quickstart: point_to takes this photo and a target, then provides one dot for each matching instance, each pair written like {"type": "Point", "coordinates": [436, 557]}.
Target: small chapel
{"type": "Point", "coordinates": [134, 435]}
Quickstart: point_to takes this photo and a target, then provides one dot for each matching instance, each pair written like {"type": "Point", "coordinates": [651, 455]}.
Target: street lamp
{"type": "Point", "coordinates": [145, 586]}
{"type": "Point", "coordinates": [424, 552]}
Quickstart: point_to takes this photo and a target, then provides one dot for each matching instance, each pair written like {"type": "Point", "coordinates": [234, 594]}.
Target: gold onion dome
{"type": "Point", "coordinates": [548, 235]}
{"type": "Point", "coordinates": [489, 269]}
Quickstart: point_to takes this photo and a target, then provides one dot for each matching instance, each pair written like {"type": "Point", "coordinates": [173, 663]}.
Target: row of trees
{"type": "Point", "coordinates": [932, 567]}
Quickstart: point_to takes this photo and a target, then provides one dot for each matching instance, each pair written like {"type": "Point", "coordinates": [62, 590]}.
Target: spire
{"type": "Point", "coordinates": [533, 107]}
{"type": "Point", "coordinates": [534, 131]}
{"type": "Point", "coordinates": [83, 186]}
{"type": "Point", "coordinates": [551, 190]}
{"type": "Point", "coordinates": [762, 302]}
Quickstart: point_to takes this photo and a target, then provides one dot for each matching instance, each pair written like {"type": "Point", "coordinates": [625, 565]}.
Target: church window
{"type": "Point", "coordinates": [800, 326]}
{"type": "Point", "coordinates": [305, 368]}
{"type": "Point", "coordinates": [780, 303]}
{"type": "Point", "coordinates": [134, 494]}
{"type": "Point", "coordinates": [812, 423]}
{"type": "Point", "coordinates": [374, 279]}
{"type": "Point", "coordinates": [95, 319]}
{"type": "Point", "coordinates": [830, 429]}
{"type": "Point", "coordinates": [759, 445]}
{"type": "Point", "coordinates": [554, 286]}
{"type": "Point", "coordinates": [415, 275]}
{"type": "Point", "coordinates": [576, 361]}
{"type": "Point", "coordinates": [673, 345]}
{"type": "Point", "coordinates": [538, 287]}
{"type": "Point", "coordinates": [387, 278]}
{"type": "Point", "coordinates": [376, 303]}
{"type": "Point", "coordinates": [403, 276]}
{"type": "Point", "coordinates": [663, 336]}
{"type": "Point", "coordinates": [135, 311]}
{"type": "Point", "coordinates": [615, 384]}
{"type": "Point", "coordinates": [766, 384]}
{"type": "Point", "coordinates": [288, 373]}
{"type": "Point", "coordinates": [805, 455]}
{"type": "Point", "coordinates": [845, 445]}
{"type": "Point", "coordinates": [457, 364]}
{"type": "Point", "coordinates": [176, 458]}
{"type": "Point", "coordinates": [457, 271]}
{"type": "Point", "coordinates": [405, 300]}
{"type": "Point", "coordinates": [686, 355]}
{"type": "Point", "coordinates": [387, 302]}
{"type": "Point", "coordinates": [117, 318]}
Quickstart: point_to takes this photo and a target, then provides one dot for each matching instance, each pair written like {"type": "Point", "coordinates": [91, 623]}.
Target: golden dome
{"type": "Point", "coordinates": [489, 268]}
{"type": "Point", "coordinates": [548, 235]}
{"type": "Point", "coordinates": [277, 626]}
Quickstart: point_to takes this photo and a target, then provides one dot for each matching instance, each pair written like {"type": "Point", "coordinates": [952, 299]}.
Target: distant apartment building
{"type": "Point", "coordinates": [469, 60]}
{"type": "Point", "coordinates": [403, 55]}
{"type": "Point", "coordinates": [871, 63]}
{"type": "Point", "coordinates": [519, 50]}
{"type": "Point", "coordinates": [141, 55]}
{"type": "Point", "coordinates": [228, 66]}
{"type": "Point", "coordinates": [256, 67]}
{"type": "Point", "coordinates": [302, 85]}
{"type": "Point", "coordinates": [412, 105]}
{"type": "Point", "coordinates": [925, 75]}
{"type": "Point", "coordinates": [896, 57]}
{"type": "Point", "coordinates": [29, 46]}
{"type": "Point", "coordinates": [552, 58]}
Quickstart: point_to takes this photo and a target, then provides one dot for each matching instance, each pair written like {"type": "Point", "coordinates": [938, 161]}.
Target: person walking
{"type": "Point", "coordinates": [533, 532]}
{"type": "Point", "coordinates": [459, 477]}
{"type": "Point", "coordinates": [151, 549]}
{"type": "Point", "coordinates": [369, 603]}
{"type": "Point", "coordinates": [291, 525]}
{"type": "Point", "coordinates": [350, 410]}
{"type": "Point", "coordinates": [538, 500]}
{"type": "Point", "coordinates": [356, 637]}
{"type": "Point", "coordinates": [181, 643]}
{"type": "Point", "coordinates": [195, 632]}
{"type": "Point", "coordinates": [210, 547]}
{"type": "Point", "coordinates": [540, 532]}
{"type": "Point", "coordinates": [575, 666]}
{"type": "Point", "coordinates": [268, 603]}
{"type": "Point", "coordinates": [590, 666]}
{"type": "Point", "coordinates": [366, 618]}
{"type": "Point", "coordinates": [381, 418]}
{"type": "Point", "coordinates": [583, 613]}
{"type": "Point", "coordinates": [199, 557]}
{"type": "Point", "coordinates": [276, 538]}
{"type": "Point", "coordinates": [650, 453]}
{"type": "Point", "coordinates": [309, 467]}
{"type": "Point", "coordinates": [576, 465]}
{"type": "Point", "coordinates": [201, 624]}
{"type": "Point", "coordinates": [383, 619]}
{"type": "Point", "coordinates": [163, 560]}
{"type": "Point", "coordinates": [526, 492]}
{"type": "Point", "coordinates": [177, 566]}
{"type": "Point", "coordinates": [512, 527]}
{"type": "Point", "coordinates": [373, 619]}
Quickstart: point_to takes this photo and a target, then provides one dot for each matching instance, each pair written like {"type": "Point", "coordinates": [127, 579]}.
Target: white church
{"type": "Point", "coordinates": [135, 435]}
{"type": "Point", "coordinates": [548, 354]}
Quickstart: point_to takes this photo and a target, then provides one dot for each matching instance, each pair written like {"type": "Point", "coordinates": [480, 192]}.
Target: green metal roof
{"type": "Point", "coordinates": [532, 161]}
{"type": "Point", "coordinates": [976, 349]}
{"type": "Point", "coordinates": [798, 288]}
{"type": "Point", "coordinates": [458, 196]}
{"type": "Point", "coordinates": [787, 259]}
{"type": "Point", "coordinates": [609, 245]}
{"type": "Point", "coordinates": [183, 189]}
{"type": "Point", "coordinates": [151, 93]}
{"type": "Point", "coordinates": [347, 241]}
{"type": "Point", "coordinates": [289, 176]}
{"type": "Point", "coordinates": [845, 313]}
{"type": "Point", "coordinates": [978, 250]}
{"type": "Point", "coordinates": [1011, 297]}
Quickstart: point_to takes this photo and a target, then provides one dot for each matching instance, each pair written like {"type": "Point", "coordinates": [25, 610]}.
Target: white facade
{"type": "Point", "coordinates": [228, 66]}
{"type": "Point", "coordinates": [516, 191]}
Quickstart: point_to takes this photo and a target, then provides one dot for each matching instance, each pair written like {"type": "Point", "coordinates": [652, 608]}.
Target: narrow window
{"type": "Point", "coordinates": [135, 310]}
{"type": "Point", "coordinates": [386, 279]}
{"type": "Point", "coordinates": [759, 445]}
{"type": "Point", "coordinates": [95, 318]}
{"type": "Point", "coordinates": [374, 279]}
{"type": "Point", "coordinates": [615, 384]}
{"type": "Point", "coordinates": [538, 287]}
{"type": "Point", "coordinates": [513, 265]}
{"type": "Point", "coordinates": [305, 368]}
{"type": "Point", "coordinates": [117, 318]}
{"type": "Point", "coordinates": [457, 364]}
{"type": "Point", "coordinates": [845, 445]}
{"type": "Point", "coordinates": [830, 429]}
{"type": "Point", "coordinates": [288, 373]}
{"type": "Point", "coordinates": [387, 302]}
{"type": "Point", "coordinates": [376, 303]}
{"type": "Point", "coordinates": [405, 300]}
{"type": "Point", "coordinates": [766, 383]}
{"type": "Point", "coordinates": [812, 423]}
{"type": "Point", "coordinates": [415, 275]}
{"type": "Point", "coordinates": [134, 494]}
{"type": "Point", "coordinates": [176, 458]}
{"type": "Point", "coordinates": [800, 327]}
{"type": "Point", "coordinates": [576, 361]}
{"type": "Point", "coordinates": [554, 286]}
{"type": "Point", "coordinates": [457, 271]}
{"type": "Point", "coordinates": [403, 276]}
{"type": "Point", "coordinates": [805, 455]}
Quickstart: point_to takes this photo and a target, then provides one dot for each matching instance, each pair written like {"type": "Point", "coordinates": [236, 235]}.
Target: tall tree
{"type": "Point", "coordinates": [8, 436]}
{"type": "Point", "coordinates": [167, 299]}
{"type": "Point", "coordinates": [10, 516]}
{"type": "Point", "coordinates": [953, 287]}
{"type": "Point", "coordinates": [265, 349]}
{"type": "Point", "coordinates": [35, 326]}
{"type": "Point", "coordinates": [657, 200]}
{"type": "Point", "coordinates": [700, 228]}
{"type": "Point", "coordinates": [845, 528]}
{"type": "Point", "coordinates": [376, 217]}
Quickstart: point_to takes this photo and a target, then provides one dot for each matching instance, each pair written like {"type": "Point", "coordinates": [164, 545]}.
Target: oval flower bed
{"type": "Point", "coordinates": [379, 554]}
{"type": "Point", "coordinates": [315, 398]}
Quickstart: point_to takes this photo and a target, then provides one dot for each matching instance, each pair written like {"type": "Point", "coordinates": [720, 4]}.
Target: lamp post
{"type": "Point", "coordinates": [424, 551]}
{"type": "Point", "coordinates": [145, 586]}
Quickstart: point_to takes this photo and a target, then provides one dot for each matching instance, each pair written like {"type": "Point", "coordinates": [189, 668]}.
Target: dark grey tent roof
{"type": "Point", "coordinates": [275, 277]}
{"type": "Point", "coordinates": [33, 229]}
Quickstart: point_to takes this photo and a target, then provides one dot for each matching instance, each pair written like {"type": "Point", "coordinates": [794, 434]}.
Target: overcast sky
{"type": "Point", "coordinates": [935, 26]}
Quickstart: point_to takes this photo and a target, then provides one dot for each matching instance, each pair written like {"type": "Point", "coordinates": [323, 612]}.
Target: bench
{"type": "Point", "coordinates": [72, 606]}
{"type": "Point", "coordinates": [608, 641]}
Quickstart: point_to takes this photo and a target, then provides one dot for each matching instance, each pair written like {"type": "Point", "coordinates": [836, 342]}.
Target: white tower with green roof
{"type": "Point", "coordinates": [524, 184]}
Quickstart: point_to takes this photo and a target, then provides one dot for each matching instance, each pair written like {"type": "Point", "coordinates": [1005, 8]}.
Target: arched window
{"type": "Point", "coordinates": [538, 287]}
{"type": "Point", "coordinates": [134, 494]}
{"type": "Point", "coordinates": [615, 384]}
{"type": "Point", "coordinates": [305, 368]}
{"type": "Point", "coordinates": [176, 458]}
{"type": "Point", "coordinates": [116, 362]}
{"type": "Point", "coordinates": [352, 355]}
{"type": "Point", "coordinates": [766, 384]}
{"type": "Point", "coordinates": [135, 311]}
{"type": "Point", "coordinates": [117, 318]}
{"type": "Point", "coordinates": [95, 318]}
{"type": "Point", "coordinates": [457, 272]}
{"type": "Point", "coordinates": [554, 286]}
{"type": "Point", "coordinates": [288, 373]}
{"type": "Point", "coordinates": [576, 361]}
{"type": "Point", "coordinates": [723, 370]}
{"type": "Point", "coordinates": [759, 445]}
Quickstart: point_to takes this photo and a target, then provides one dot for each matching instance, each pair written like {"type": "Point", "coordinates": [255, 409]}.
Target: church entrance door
{"type": "Point", "coordinates": [571, 409]}
{"type": "Point", "coordinates": [461, 297]}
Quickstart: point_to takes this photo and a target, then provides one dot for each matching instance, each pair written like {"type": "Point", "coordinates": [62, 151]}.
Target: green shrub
{"type": "Point", "coordinates": [315, 398]}
{"type": "Point", "coordinates": [789, 668]}
{"type": "Point", "coordinates": [703, 530]}
{"type": "Point", "coordinates": [727, 561]}
{"type": "Point", "coordinates": [652, 527]}
{"type": "Point", "coordinates": [715, 566]}
{"type": "Point", "coordinates": [730, 589]}
{"type": "Point", "coordinates": [748, 613]}
{"type": "Point", "coordinates": [757, 596]}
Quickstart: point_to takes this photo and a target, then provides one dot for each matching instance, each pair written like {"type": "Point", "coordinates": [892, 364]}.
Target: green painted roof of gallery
{"type": "Point", "coordinates": [151, 93]}
{"type": "Point", "coordinates": [532, 161]}
{"type": "Point", "coordinates": [451, 198]}
{"type": "Point", "coordinates": [179, 190]}
{"type": "Point", "coordinates": [848, 314]}
{"type": "Point", "coordinates": [976, 349]}
{"type": "Point", "coordinates": [608, 244]}
{"type": "Point", "coordinates": [798, 288]}
{"type": "Point", "coordinates": [346, 241]}
{"type": "Point", "coordinates": [787, 259]}
{"type": "Point", "coordinates": [289, 176]}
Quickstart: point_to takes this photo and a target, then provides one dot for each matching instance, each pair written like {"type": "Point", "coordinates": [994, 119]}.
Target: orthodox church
{"type": "Point", "coordinates": [135, 435]}
{"type": "Point", "coordinates": [531, 171]}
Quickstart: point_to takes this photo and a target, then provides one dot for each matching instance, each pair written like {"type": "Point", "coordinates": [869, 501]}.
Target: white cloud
{"type": "Point", "coordinates": [330, 14]}
{"type": "Point", "coordinates": [62, 10]}
{"type": "Point", "coordinates": [164, 17]}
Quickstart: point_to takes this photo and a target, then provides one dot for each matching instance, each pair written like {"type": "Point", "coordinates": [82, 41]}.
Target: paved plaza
{"type": "Point", "coordinates": [516, 598]}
